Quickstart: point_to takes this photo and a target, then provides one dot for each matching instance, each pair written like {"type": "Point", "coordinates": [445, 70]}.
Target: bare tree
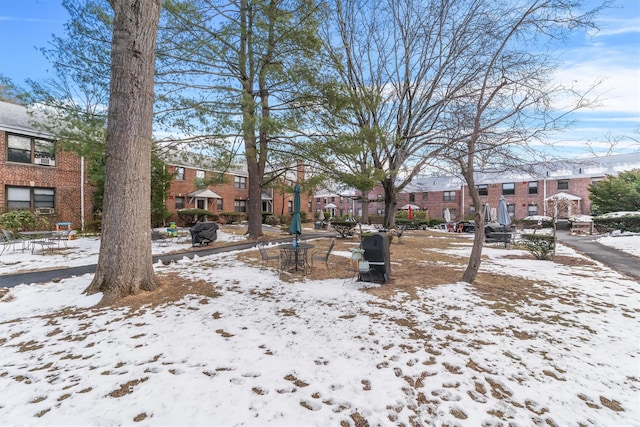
{"type": "Point", "coordinates": [396, 63]}
{"type": "Point", "coordinates": [125, 264]}
{"type": "Point", "coordinates": [513, 99]}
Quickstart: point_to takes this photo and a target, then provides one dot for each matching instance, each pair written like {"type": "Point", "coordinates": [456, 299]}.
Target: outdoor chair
{"type": "Point", "coordinates": [7, 239]}
{"type": "Point", "coordinates": [319, 255]}
{"type": "Point", "coordinates": [400, 233]}
{"type": "Point", "coordinates": [266, 256]}
{"type": "Point", "coordinates": [63, 236]}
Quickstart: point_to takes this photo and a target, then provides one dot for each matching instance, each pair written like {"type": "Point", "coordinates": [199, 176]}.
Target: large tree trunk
{"type": "Point", "coordinates": [125, 263]}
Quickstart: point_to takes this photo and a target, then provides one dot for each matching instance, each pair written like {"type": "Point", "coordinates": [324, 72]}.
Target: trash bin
{"type": "Point", "coordinates": [376, 252]}
{"type": "Point", "coordinates": [203, 233]}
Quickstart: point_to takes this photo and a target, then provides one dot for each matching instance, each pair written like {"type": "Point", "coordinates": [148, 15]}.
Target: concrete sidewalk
{"type": "Point", "coordinates": [619, 261]}
{"type": "Point", "coordinates": [11, 280]}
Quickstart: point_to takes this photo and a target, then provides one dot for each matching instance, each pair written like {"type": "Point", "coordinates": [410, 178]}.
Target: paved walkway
{"type": "Point", "coordinates": [12, 280]}
{"type": "Point", "coordinates": [619, 261]}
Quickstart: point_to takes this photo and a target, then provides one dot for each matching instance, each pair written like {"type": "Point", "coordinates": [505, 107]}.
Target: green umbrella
{"type": "Point", "coordinates": [296, 224]}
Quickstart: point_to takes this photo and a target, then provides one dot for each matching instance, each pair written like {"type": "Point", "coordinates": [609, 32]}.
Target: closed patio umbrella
{"type": "Point", "coordinates": [503, 212]}
{"type": "Point", "coordinates": [296, 225]}
{"type": "Point", "coordinates": [447, 215]}
{"type": "Point", "coordinates": [486, 213]}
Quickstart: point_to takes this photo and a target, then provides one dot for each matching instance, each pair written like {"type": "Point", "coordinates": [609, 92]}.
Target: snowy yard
{"type": "Point", "coordinates": [552, 344]}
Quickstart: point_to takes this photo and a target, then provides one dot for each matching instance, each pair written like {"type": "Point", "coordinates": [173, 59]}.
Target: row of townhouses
{"type": "Point", "coordinates": [37, 174]}
{"type": "Point", "coordinates": [558, 188]}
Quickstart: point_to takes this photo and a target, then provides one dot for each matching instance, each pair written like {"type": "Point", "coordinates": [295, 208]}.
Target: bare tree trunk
{"type": "Point", "coordinates": [389, 203]}
{"type": "Point", "coordinates": [125, 263]}
{"type": "Point", "coordinates": [473, 266]}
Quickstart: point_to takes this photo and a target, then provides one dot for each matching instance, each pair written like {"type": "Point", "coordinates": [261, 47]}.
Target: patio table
{"type": "Point", "coordinates": [294, 257]}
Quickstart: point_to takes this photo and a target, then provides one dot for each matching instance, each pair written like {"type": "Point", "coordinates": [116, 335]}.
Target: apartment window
{"type": "Point", "coordinates": [30, 197]}
{"type": "Point", "coordinates": [310, 207]}
{"type": "Point", "coordinates": [472, 210]}
{"type": "Point", "coordinates": [533, 187]}
{"type": "Point", "coordinates": [24, 149]}
{"type": "Point", "coordinates": [412, 197]}
{"type": "Point", "coordinates": [333, 199]}
{"type": "Point", "coordinates": [425, 196]}
{"type": "Point", "coordinates": [200, 174]}
{"type": "Point", "coordinates": [563, 184]}
{"type": "Point", "coordinates": [483, 190]}
{"type": "Point", "coordinates": [290, 206]}
{"type": "Point", "coordinates": [219, 205]}
{"type": "Point", "coordinates": [240, 182]}
{"type": "Point", "coordinates": [449, 196]}
{"type": "Point", "coordinates": [532, 210]}
{"type": "Point", "coordinates": [179, 174]}
{"type": "Point", "coordinates": [240, 206]}
{"type": "Point", "coordinates": [512, 211]}
{"type": "Point", "coordinates": [179, 202]}
{"type": "Point", "coordinates": [508, 188]}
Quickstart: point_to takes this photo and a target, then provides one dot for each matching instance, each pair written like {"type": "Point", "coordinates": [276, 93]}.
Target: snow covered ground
{"type": "Point", "coordinates": [263, 351]}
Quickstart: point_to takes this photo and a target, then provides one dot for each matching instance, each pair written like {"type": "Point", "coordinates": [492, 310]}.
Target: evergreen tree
{"type": "Point", "coordinates": [616, 193]}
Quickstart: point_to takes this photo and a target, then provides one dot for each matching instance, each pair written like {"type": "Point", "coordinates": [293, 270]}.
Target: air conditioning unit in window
{"type": "Point", "coordinates": [45, 211]}
{"type": "Point", "coordinates": [46, 161]}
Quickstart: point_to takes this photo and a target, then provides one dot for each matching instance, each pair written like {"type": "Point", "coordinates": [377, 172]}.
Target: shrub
{"type": "Point", "coordinates": [271, 220]}
{"type": "Point", "coordinates": [190, 216]}
{"type": "Point", "coordinates": [23, 220]}
{"type": "Point", "coordinates": [540, 245]}
{"type": "Point", "coordinates": [233, 217]}
{"type": "Point", "coordinates": [93, 226]}
{"type": "Point", "coordinates": [605, 224]}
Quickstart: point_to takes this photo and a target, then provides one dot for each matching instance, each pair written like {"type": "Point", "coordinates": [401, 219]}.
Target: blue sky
{"type": "Point", "coordinates": [612, 54]}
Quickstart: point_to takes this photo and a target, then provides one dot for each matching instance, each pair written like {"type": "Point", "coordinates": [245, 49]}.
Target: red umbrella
{"type": "Point", "coordinates": [410, 212]}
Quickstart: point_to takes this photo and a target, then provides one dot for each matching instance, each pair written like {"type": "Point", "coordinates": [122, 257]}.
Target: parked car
{"type": "Point", "coordinates": [467, 226]}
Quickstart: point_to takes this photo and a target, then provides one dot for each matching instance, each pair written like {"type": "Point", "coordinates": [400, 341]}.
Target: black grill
{"type": "Point", "coordinates": [203, 233]}
{"type": "Point", "coordinates": [376, 251]}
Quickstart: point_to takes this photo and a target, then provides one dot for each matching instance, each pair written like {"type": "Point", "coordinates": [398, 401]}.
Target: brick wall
{"type": "Point", "coordinates": [64, 177]}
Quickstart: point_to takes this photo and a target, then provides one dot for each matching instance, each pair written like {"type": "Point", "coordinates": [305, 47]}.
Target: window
{"type": "Point", "coordinates": [449, 196]}
{"type": "Point", "coordinates": [30, 197]}
{"type": "Point", "coordinates": [512, 211]}
{"type": "Point", "coordinates": [508, 188]}
{"type": "Point", "coordinates": [472, 210]}
{"type": "Point", "coordinates": [179, 202]}
{"type": "Point", "coordinates": [240, 206]}
{"type": "Point", "coordinates": [200, 174]}
{"type": "Point", "coordinates": [310, 207]}
{"type": "Point", "coordinates": [333, 199]}
{"type": "Point", "coordinates": [533, 187]}
{"type": "Point", "coordinates": [290, 206]}
{"type": "Point", "coordinates": [563, 184]}
{"type": "Point", "coordinates": [412, 197]}
{"type": "Point", "coordinates": [240, 182]}
{"type": "Point", "coordinates": [532, 210]}
{"type": "Point", "coordinates": [483, 189]}
{"type": "Point", "coordinates": [219, 205]}
{"type": "Point", "coordinates": [425, 196]}
{"type": "Point", "coordinates": [180, 174]}
{"type": "Point", "coordinates": [24, 149]}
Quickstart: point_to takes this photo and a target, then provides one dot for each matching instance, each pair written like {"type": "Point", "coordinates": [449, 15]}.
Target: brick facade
{"type": "Point", "coordinates": [64, 178]}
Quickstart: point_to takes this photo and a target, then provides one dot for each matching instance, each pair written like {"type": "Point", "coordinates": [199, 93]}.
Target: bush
{"type": "Point", "coordinates": [233, 217]}
{"type": "Point", "coordinates": [271, 220]}
{"type": "Point", "coordinates": [540, 245]}
{"type": "Point", "coordinates": [93, 226]}
{"type": "Point", "coordinates": [605, 224]}
{"type": "Point", "coordinates": [190, 216]}
{"type": "Point", "coordinates": [526, 223]}
{"type": "Point", "coordinates": [23, 220]}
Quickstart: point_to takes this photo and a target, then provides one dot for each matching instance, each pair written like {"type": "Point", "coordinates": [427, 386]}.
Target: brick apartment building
{"type": "Point", "coordinates": [231, 194]}
{"type": "Point", "coordinates": [36, 174]}
{"type": "Point", "coordinates": [540, 190]}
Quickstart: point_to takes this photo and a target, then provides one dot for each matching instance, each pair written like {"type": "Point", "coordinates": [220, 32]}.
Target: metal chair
{"type": "Point", "coordinates": [266, 257]}
{"type": "Point", "coordinates": [323, 256]}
